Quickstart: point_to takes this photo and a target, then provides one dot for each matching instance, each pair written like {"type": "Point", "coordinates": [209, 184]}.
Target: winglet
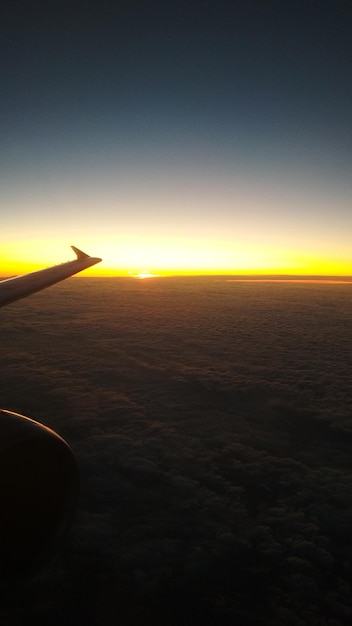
{"type": "Point", "coordinates": [79, 254]}
{"type": "Point", "coordinates": [18, 287]}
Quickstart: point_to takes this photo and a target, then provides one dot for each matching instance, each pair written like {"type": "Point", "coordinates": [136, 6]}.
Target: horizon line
{"type": "Point", "coordinates": [250, 277]}
{"type": "Point", "coordinates": [299, 278]}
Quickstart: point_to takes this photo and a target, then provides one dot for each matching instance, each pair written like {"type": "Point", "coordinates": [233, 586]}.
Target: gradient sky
{"type": "Point", "coordinates": [201, 137]}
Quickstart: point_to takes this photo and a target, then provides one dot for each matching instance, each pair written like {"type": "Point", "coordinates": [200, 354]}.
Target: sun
{"type": "Point", "coordinates": [144, 275]}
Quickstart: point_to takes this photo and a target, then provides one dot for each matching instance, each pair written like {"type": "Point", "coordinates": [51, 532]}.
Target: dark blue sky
{"type": "Point", "coordinates": [106, 105]}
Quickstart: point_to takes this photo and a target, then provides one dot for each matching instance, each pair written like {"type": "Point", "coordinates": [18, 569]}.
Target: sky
{"type": "Point", "coordinates": [171, 138]}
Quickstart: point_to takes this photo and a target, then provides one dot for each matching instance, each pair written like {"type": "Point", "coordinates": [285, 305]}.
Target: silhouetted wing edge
{"type": "Point", "coordinates": [13, 289]}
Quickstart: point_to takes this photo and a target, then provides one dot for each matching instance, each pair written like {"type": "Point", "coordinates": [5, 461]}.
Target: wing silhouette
{"type": "Point", "coordinates": [12, 289]}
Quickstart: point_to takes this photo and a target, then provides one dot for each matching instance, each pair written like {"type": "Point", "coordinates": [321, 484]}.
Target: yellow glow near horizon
{"type": "Point", "coordinates": [145, 258]}
{"type": "Point", "coordinates": [193, 257]}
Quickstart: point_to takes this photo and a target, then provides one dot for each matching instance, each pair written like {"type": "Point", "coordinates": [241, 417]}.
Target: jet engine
{"type": "Point", "coordinates": [38, 493]}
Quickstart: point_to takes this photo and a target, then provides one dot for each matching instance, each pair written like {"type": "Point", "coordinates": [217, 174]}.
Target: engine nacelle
{"type": "Point", "coordinates": [38, 493]}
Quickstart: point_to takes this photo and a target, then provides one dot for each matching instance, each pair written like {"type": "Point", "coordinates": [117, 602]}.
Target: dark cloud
{"type": "Point", "coordinates": [212, 430]}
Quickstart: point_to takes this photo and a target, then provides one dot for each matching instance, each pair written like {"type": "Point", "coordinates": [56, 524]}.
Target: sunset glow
{"type": "Point", "coordinates": [174, 258]}
{"type": "Point", "coordinates": [240, 165]}
{"type": "Point", "coordinates": [214, 224]}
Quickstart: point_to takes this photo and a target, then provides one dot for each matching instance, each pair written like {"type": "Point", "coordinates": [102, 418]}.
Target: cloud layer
{"type": "Point", "coordinates": [212, 427]}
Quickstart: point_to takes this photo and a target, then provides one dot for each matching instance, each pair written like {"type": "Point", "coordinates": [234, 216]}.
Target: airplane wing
{"type": "Point", "coordinates": [12, 289]}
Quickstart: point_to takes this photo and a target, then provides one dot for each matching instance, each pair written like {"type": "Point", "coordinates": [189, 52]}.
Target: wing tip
{"type": "Point", "coordinates": [79, 253]}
